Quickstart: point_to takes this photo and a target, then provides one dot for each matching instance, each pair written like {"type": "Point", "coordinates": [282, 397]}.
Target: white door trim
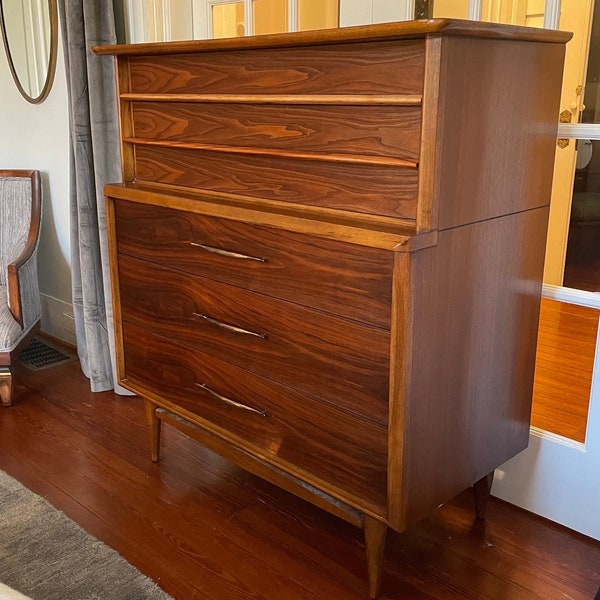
{"type": "Point", "coordinates": [556, 477]}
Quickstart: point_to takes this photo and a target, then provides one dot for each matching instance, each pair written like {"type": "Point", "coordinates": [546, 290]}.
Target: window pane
{"type": "Point", "coordinates": [591, 101]}
{"type": "Point", "coordinates": [451, 9]}
{"type": "Point", "coordinates": [317, 14]}
{"type": "Point", "coordinates": [582, 268]}
{"type": "Point", "coordinates": [270, 16]}
{"type": "Point", "coordinates": [514, 12]}
{"type": "Point", "coordinates": [228, 20]}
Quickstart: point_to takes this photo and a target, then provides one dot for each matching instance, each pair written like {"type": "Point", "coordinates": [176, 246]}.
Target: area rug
{"type": "Point", "coordinates": [46, 556]}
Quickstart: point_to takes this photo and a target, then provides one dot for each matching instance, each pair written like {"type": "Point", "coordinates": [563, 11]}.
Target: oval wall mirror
{"type": "Point", "coordinates": [29, 31]}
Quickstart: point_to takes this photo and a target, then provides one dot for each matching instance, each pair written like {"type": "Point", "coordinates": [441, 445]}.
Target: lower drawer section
{"type": "Point", "coordinates": [320, 355]}
{"type": "Point", "coordinates": [338, 452]}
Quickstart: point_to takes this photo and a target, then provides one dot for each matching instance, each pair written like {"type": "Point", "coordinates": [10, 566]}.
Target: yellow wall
{"type": "Point", "coordinates": [270, 16]}
{"type": "Point", "coordinates": [317, 14]}
{"type": "Point", "coordinates": [228, 20]}
{"type": "Point", "coordinates": [454, 9]}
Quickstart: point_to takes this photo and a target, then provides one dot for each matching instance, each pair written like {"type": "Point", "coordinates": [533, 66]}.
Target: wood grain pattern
{"type": "Point", "coordinates": [374, 131]}
{"type": "Point", "coordinates": [367, 189]}
{"type": "Point", "coordinates": [429, 136]}
{"type": "Point", "coordinates": [481, 133]}
{"type": "Point", "coordinates": [465, 220]}
{"type": "Point", "coordinates": [316, 70]}
{"type": "Point", "coordinates": [334, 359]}
{"type": "Point", "coordinates": [367, 231]}
{"type": "Point", "coordinates": [282, 99]}
{"type": "Point", "coordinates": [375, 535]}
{"type": "Point", "coordinates": [300, 433]}
{"type": "Point", "coordinates": [339, 278]}
{"type": "Point", "coordinates": [354, 159]}
{"type": "Point", "coordinates": [6, 386]}
{"type": "Point", "coordinates": [379, 32]}
{"type": "Point", "coordinates": [477, 408]}
{"type": "Point", "coordinates": [125, 121]}
{"type": "Point", "coordinates": [267, 471]}
{"type": "Point", "coordinates": [204, 529]}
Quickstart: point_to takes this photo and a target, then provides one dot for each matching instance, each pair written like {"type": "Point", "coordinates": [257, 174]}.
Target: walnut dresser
{"type": "Point", "coordinates": [327, 253]}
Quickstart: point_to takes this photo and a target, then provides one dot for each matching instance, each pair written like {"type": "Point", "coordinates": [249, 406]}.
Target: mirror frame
{"type": "Point", "coordinates": [53, 12]}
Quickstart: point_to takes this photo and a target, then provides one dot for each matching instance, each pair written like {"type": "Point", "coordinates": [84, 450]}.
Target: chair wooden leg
{"type": "Point", "coordinates": [153, 430]}
{"type": "Point", "coordinates": [481, 495]}
{"type": "Point", "coordinates": [375, 533]}
{"type": "Point", "coordinates": [6, 386]}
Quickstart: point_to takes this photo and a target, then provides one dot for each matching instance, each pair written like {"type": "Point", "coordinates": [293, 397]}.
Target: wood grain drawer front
{"type": "Point", "coordinates": [271, 420]}
{"type": "Point", "coordinates": [361, 188]}
{"type": "Point", "coordinates": [368, 68]}
{"type": "Point", "coordinates": [346, 130]}
{"type": "Point", "coordinates": [337, 277]}
{"type": "Point", "coordinates": [328, 357]}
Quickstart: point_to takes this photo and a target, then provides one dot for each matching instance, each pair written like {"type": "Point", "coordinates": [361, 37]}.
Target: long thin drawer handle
{"type": "Point", "coordinates": [228, 327]}
{"type": "Point", "coordinates": [228, 253]}
{"type": "Point", "coordinates": [263, 413]}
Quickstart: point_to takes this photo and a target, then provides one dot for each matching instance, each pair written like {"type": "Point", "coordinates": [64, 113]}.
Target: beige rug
{"type": "Point", "coordinates": [46, 556]}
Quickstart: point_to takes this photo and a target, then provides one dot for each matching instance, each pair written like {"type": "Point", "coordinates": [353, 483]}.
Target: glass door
{"type": "Point", "coordinates": [582, 262]}
{"type": "Point", "coordinates": [236, 18]}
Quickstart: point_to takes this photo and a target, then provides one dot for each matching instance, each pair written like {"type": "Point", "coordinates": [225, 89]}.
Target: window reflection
{"type": "Point", "coordinates": [228, 20]}
{"type": "Point", "coordinates": [582, 267]}
{"type": "Point", "coordinates": [318, 14]}
{"type": "Point", "coordinates": [269, 16]}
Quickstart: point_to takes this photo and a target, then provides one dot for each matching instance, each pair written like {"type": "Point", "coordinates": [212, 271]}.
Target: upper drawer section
{"type": "Point", "coordinates": [370, 131]}
{"type": "Point", "coordinates": [337, 277]}
{"type": "Point", "coordinates": [367, 68]}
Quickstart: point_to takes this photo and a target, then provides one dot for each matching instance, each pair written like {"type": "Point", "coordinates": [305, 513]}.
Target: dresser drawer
{"type": "Point", "coordinates": [340, 278]}
{"type": "Point", "coordinates": [321, 131]}
{"type": "Point", "coordinates": [373, 189]}
{"type": "Point", "coordinates": [272, 421]}
{"type": "Point", "coordinates": [322, 355]}
{"type": "Point", "coordinates": [395, 67]}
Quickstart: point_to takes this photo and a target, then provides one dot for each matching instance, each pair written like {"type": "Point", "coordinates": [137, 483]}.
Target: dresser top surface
{"type": "Point", "coordinates": [379, 32]}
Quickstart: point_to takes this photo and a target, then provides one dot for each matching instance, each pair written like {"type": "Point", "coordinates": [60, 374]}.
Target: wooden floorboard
{"type": "Point", "coordinates": [204, 529]}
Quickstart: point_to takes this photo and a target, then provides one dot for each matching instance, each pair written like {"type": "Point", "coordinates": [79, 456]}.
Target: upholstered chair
{"type": "Point", "coordinates": [20, 310]}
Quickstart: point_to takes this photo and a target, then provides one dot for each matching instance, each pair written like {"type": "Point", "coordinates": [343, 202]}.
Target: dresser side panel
{"type": "Point", "coordinates": [474, 312]}
{"type": "Point", "coordinates": [497, 128]}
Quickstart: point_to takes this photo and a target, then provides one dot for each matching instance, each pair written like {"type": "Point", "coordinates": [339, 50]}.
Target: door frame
{"type": "Point", "coordinates": [556, 477]}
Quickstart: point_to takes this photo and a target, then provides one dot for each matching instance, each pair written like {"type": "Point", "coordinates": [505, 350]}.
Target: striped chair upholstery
{"type": "Point", "coordinates": [20, 310]}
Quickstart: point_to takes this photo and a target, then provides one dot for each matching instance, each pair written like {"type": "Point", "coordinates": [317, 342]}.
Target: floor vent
{"type": "Point", "coordinates": [42, 354]}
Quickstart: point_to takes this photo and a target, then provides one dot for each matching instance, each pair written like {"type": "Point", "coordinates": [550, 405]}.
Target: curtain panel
{"type": "Point", "coordinates": [94, 161]}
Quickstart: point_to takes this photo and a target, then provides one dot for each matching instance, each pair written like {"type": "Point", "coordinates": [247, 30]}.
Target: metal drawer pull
{"type": "Point", "coordinates": [228, 327]}
{"type": "Point", "coordinates": [227, 253]}
{"type": "Point", "coordinates": [263, 413]}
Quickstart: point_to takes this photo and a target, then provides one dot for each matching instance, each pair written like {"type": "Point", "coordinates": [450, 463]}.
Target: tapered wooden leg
{"type": "Point", "coordinates": [481, 494]}
{"type": "Point", "coordinates": [6, 386]}
{"type": "Point", "coordinates": [153, 430]}
{"type": "Point", "coordinates": [375, 532]}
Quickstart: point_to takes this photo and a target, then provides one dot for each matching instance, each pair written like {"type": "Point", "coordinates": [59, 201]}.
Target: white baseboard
{"type": "Point", "coordinates": [57, 319]}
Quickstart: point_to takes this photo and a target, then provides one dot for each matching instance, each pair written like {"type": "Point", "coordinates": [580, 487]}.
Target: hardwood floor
{"type": "Point", "coordinates": [204, 529]}
{"type": "Point", "coordinates": [564, 366]}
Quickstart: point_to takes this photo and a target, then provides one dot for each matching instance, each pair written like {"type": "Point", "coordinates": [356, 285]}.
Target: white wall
{"type": "Point", "coordinates": [36, 136]}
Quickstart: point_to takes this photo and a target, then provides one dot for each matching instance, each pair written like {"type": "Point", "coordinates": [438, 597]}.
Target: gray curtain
{"type": "Point", "coordinates": [95, 160]}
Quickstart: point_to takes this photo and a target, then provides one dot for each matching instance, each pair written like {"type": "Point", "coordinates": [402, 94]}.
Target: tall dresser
{"type": "Point", "coordinates": [327, 253]}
